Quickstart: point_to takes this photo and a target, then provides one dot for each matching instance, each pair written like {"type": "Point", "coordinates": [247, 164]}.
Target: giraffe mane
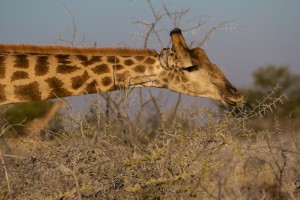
{"type": "Point", "coordinates": [57, 49]}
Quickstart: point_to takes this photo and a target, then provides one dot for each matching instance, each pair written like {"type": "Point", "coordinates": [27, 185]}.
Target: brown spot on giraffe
{"type": "Point", "coordinates": [151, 69]}
{"type": "Point", "coordinates": [119, 67]}
{"type": "Point", "coordinates": [28, 92]}
{"type": "Point", "coordinates": [101, 69]}
{"type": "Point", "coordinates": [122, 76]}
{"type": "Point", "coordinates": [78, 81]}
{"type": "Point", "coordinates": [172, 75]}
{"type": "Point", "coordinates": [139, 69]}
{"type": "Point", "coordinates": [21, 61]}
{"type": "Point", "coordinates": [106, 81]}
{"type": "Point", "coordinates": [86, 62]}
{"type": "Point", "coordinates": [42, 65]}
{"type": "Point", "coordinates": [19, 75]}
{"type": "Point", "coordinates": [2, 66]}
{"type": "Point", "coordinates": [57, 88]}
{"type": "Point", "coordinates": [184, 79]}
{"type": "Point", "coordinates": [2, 93]}
{"type": "Point", "coordinates": [139, 58]}
{"type": "Point", "coordinates": [149, 60]}
{"type": "Point", "coordinates": [128, 62]}
{"type": "Point", "coordinates": [64, 64]}
{"type": "Point", "coordinates": [92, 87]}
{"type": "Point", "coordinates": [113, 59]}
{"type": "Point", "coordinates": [163, 73]}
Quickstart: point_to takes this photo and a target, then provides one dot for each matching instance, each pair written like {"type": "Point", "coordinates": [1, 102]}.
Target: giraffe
{"type": "Point", "coordinates": [34, 127]}
{"type": "Point", "coordinates": [29, 138]}
{"type": "Point", "coordinates": [32, 73]}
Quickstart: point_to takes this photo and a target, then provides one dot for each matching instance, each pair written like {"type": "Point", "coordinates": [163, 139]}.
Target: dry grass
{"type": "Point", "coordinates": [200, 154]}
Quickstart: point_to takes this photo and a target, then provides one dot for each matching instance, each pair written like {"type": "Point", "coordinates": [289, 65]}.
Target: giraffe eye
{"type": "Point", "coordinates": [190, 68]}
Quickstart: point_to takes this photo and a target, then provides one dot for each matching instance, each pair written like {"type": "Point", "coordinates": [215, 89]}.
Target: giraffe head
{"type": "Point", "coordinates": [190, 71]}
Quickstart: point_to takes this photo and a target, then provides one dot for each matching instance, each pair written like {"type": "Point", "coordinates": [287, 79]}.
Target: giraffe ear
{"type": "Point", "coordinates": [165, 58]}
{"type": "Point", "coordinates": [178, 40]}
{"type": "Point", "coordinates": [181, 49]}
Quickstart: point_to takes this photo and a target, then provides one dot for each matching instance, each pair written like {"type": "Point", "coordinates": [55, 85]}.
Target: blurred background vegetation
{"type": "Point", "coordinates": [275, 82]}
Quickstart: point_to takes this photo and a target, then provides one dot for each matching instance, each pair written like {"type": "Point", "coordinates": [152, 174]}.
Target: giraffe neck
{"type": "Point", "coordinates": [32, 73]}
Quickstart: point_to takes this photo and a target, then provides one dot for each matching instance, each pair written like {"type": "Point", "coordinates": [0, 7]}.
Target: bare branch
{"type": "Point", "coordinates": [6, 175]}
{"type": "Point", "coordinates": [71, 42]}
{"type": "Point", "coordinates": [224, 25]}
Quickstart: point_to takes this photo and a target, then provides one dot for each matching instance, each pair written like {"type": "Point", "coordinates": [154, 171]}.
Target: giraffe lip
{"type": "Point", "coordinates": [229, 102]}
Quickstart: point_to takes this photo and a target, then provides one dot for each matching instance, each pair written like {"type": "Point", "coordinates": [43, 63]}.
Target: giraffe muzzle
{"type": "Point", "coordinates": [232, 96]}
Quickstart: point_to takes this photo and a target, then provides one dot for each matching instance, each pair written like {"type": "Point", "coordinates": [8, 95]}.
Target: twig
{"type": "Point", "coordinates": [6, 175]}
{"type": "Point", "coordinates": [74, 31]}
{"type": "Point", "coordinates": [175, 109]}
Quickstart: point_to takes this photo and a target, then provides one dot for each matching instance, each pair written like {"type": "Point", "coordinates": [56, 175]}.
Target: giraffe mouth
{"type": "Point", "coordinates": [229, 102]}
{"type": "Point", "coordinates": [231, 96]}
{"type": "Point", "coordinates": [233, 101]}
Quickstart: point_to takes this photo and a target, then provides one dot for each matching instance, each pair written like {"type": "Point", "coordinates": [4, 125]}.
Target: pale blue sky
{"type": "Point", "coordinates": [270, 36]}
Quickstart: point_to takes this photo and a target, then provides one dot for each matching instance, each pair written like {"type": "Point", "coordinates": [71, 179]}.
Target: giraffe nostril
{"type": "Point", "coordinates": [231, 88]}
{"type": "Point", "coordinates": [234, 89]}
